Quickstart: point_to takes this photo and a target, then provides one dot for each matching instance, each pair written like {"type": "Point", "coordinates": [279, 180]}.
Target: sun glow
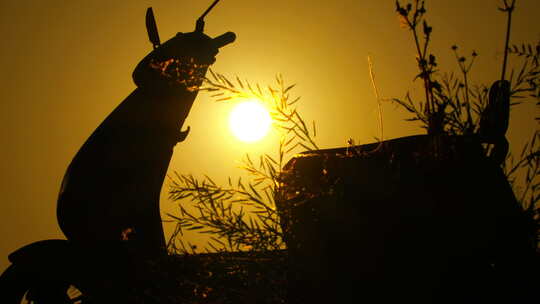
{"type": "Point", "coordinates": [250, 121]}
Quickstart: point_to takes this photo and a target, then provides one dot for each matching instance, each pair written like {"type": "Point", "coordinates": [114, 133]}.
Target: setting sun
{"type": "Point", "coordinates": [249, 121]}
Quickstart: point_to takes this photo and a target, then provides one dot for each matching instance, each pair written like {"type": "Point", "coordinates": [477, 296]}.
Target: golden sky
{"type": "Point", "coordinates": [67, 64]}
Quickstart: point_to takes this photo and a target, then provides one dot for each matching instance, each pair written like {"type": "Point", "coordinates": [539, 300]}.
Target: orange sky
{"type": "Point", "coordinates": [67, 64]}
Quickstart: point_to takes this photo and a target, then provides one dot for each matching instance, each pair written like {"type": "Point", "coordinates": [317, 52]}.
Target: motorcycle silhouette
{"type": "Point", "coordinates": [108, 205]}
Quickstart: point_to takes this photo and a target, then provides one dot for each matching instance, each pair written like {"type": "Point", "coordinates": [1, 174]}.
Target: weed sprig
{"type": "Point", "coordinates": [242, 216]}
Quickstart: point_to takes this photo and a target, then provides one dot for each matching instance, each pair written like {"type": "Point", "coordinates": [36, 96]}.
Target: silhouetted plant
{"type": "Point", "coordinates": [412, 15]}
{"type": "Point", "coordinates": [242, 215]}
{"type": "Point", "coordinates": [524, 176]}
{"type": "Point", "coordinates": [224, 277]}
{"type": "Point", "coordinates": [527, 80]}
{"type": "Point", "coordinates": [454, 106]}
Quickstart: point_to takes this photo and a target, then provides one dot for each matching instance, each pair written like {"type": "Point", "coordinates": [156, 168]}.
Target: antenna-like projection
{"type": "Point", "coordinates": [151, 27]}
{"type": "Point", "coordinates": [199, 26]}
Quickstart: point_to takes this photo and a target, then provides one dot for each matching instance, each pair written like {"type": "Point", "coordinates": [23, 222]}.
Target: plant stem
{"type": "Point", "coordinates": [468, 107]}
{"type": "Point", "coordinates": [421, 63]}
{"type": "Point", "coordinates": [509, 10]}
{"type": "Point", "coordinates": [372, 76]}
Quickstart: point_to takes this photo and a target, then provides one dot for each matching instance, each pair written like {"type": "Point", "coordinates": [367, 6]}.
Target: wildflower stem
{"type": "Point", "coordinates": [421, 63]}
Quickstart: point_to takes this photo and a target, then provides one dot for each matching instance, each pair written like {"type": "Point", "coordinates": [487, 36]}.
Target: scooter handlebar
{"type": "Point", "coordinates": [224, 39]}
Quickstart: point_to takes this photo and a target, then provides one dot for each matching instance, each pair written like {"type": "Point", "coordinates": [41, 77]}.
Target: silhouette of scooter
{"type": "Point", "coordinates": [108, 206]}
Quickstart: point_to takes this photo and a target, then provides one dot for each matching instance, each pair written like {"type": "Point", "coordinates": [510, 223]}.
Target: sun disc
{"type": "Point", "coordinates": [250, 121]}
